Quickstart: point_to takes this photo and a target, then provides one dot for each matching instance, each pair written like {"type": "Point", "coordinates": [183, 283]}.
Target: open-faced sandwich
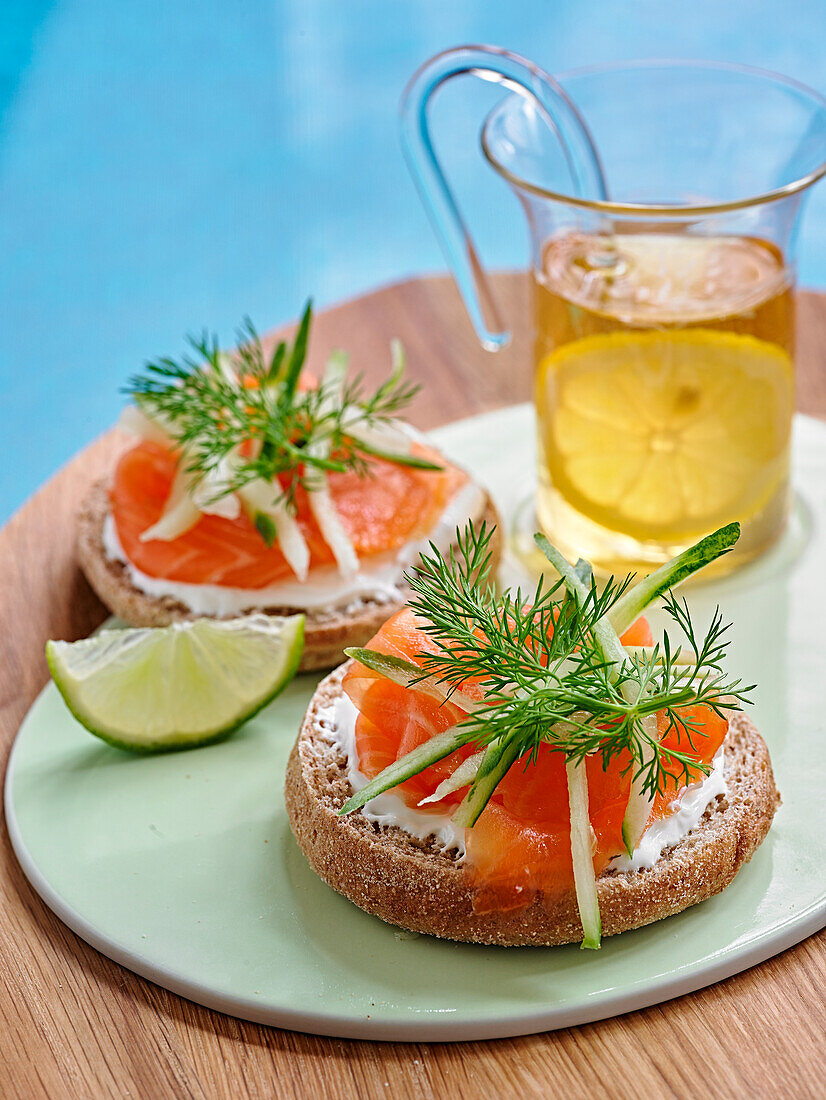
{"type": "Point", "coordinates": [531, 770]}
{"type": "Point", "coordinates": [256, 487]}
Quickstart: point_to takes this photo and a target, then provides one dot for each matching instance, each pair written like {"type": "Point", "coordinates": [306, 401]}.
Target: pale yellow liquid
{"type": "Point", "coordinates": [664, 394]}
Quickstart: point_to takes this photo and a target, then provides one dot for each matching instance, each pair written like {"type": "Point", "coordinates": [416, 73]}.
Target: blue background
{"type": "Point", "coordinates": [169, 165]}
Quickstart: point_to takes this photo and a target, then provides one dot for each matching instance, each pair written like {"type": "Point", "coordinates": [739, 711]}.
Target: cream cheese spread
{"type": "Point", "coordinates": [687, 812]}
{"type": "Point", "coordinates": [339, 723]}
{"type": "Point", "coordinates": [325, 591]}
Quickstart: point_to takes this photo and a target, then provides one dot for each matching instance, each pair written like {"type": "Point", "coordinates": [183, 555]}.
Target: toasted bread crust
{"type": "Point", "coordinates": [414, 885]}
{"type": "Point", "coordinates": [325, 636]}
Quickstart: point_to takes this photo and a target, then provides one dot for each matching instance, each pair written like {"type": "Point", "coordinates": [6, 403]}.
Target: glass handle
{"type": "Point", "coordinates": [518, 75]}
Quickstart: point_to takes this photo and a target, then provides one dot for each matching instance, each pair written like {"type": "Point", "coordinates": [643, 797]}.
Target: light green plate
{"type": "Point", "coordinates": [182, 867]}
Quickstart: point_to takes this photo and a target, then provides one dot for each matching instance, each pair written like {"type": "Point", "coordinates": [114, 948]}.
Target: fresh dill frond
{"type": "Point", "coordinates": [245, 413]}
{"type": "Point", "coordinates": [543, 674]}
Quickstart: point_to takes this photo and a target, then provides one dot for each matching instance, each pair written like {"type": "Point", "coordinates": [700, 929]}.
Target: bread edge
{"type": "Point", "coordinates": [415, 886]}
{"type": "Point", "coordinates": [325, 637]}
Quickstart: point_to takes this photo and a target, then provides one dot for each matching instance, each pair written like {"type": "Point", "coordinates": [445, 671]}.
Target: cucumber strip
{"type": "Point", "coordinates": [179, 514]}
{"type": "Point", "coordinates": [585, 882]}
{"type": "Point", "coordinates": [332, 529]}
{"type": "Point", "coordinates": [605, 635]}
{"type": "Point", "coordinates": [135, 420]}
{"type": "Point", "coordinates": [398, 360]}
{"type": "Point", "coordinates": [321, 502]}
{"type": "Point", "coordinates": [260, 496]}
{"type": "Point", "coordinates": [464, 774]}
{"type": "Point", "coordinates": [335, 371]}
{"type": "Point", "coordinates": [584, 570]}
{"type": "Point", "coordinates": [437, 748]}
{"type": "Point", "coordinates": [633, 603]}
{"type": "Point", "coordinates": [382, 438]}
{"type": "Point", "coordinates": [637, 813]}
{"type": "Point", "coordinates": [613, 651]}
{"type": "Point", "coordinates": [495, 764]}
{"type": "Point", "coordinates": [490, 767]}
{"type": "Point", "coordinates": [409, 675]}
{"type": "Point", "coordinates": [386, 436]}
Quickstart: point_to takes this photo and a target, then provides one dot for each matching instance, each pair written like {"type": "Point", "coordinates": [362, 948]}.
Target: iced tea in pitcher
{"type": "Point", "coordinates": [662, 200]}
{"type": "Point", "coordinates": [664, 391]}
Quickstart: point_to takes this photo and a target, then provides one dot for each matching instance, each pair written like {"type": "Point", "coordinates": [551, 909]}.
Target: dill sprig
{"type": "Point", "coordinates": [216, 404]}
{"type": "Point", "coordinates": [544, 676]}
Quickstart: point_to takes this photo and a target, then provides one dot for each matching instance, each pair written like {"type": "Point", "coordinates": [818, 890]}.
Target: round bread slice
{"type": "Point", "coordinates": [326, 634]}
{"type": "Point", "coordinates": [417, 886]}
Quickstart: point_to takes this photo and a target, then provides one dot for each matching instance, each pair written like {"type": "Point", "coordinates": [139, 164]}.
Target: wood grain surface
{"type": "Point", "coordinates": [74, 1024]}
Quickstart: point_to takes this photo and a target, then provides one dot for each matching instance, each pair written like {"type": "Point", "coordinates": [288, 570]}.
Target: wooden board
{"type": "Point", "coordinates": [74, 1024]}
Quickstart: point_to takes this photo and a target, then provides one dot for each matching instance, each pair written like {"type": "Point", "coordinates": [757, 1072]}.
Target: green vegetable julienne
{"type": "Point", "coordinates": [216, 403]}
{"type": "Point", "coordinates": [546, 677]}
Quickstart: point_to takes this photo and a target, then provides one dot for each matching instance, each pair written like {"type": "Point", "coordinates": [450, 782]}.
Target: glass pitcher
{"type": "Point", "coordinates": [663, 201]}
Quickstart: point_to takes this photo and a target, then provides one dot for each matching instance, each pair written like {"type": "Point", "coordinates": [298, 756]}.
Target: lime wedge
{"type": "Point", "coordinates": [178, 686]}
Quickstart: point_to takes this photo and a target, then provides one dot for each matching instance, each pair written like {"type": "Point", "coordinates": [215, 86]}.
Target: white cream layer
{"type": "Point", "coordinates": [325, 590]}
{"type": "Point", "coordinates": [687, 811]}
{"type": "Point", "coordinates": [339, 722]}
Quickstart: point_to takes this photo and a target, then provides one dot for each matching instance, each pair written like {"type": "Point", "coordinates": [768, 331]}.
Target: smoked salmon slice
{"type": "Point", "coordinates": [380, 511]}
{"type": "Point", "coordinates": [521, 842]}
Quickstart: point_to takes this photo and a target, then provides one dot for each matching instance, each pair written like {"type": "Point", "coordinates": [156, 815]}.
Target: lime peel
{"type": "Point", "coordinates": [179, 686]}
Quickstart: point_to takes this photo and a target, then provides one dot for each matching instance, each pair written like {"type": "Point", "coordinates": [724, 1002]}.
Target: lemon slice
{"type": "Point", "coordinates": [178, 686]}
{"type": "Point", "coordinates": [666, 434]}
